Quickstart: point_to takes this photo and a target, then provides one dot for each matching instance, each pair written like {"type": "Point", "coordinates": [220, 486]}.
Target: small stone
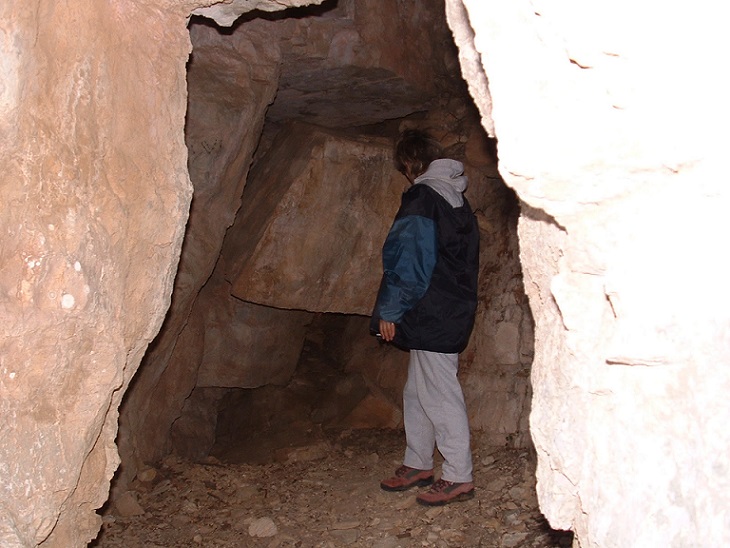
{"type": "Point", "coordinates": [345, 537]}
{"type": "Point", "coordinates": [189, 507]}
{"type": "Point", "coordinates": [246, 492]}
{"type": "Point", "coordinates": [147, 475]}
{"type": "Point", "coordinates": [304, 454]}
{"type": "Point", "coordinates": [170, 461]}
{"type": "Point", "coordinates": [512, 518]}
{"type": "Point", "coordinates": [127, 505]}
{"type": "Point", "coordinates": [179, 520]}
{"type": "Point", "coordinates": [453, 537]}
{"type": "Point", "coordinates": [407, 502]}
{"type": "Point", "coordinates": [343, 525]}
{"type": "Point", "coordinates": [510, 540]}
{"type": "Point", "coordinates": [386, 524]}
{"type": "Point", "coordinates": [262, 528]}
{"type": "Point", "coordinates": [387, 542]}
{"type": "Point", "coordinates": [517, 492]}
{"type": "Point", "coordinates": [433, 512]}
{"type": "Point", "coordinates": [161, 488]}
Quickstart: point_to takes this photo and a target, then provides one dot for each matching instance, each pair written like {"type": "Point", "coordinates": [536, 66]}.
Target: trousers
{"type": "Point", "coordinates": [434, 415]}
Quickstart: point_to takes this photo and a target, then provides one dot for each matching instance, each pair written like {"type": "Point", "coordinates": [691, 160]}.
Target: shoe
{"type": "Point", "coordinates": [443, 492]}
{"type": "Point", "coordinates": [407, 477]}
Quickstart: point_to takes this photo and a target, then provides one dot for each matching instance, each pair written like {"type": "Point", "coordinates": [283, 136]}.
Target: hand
{"type": "Point", "coordinates": [387, 330]}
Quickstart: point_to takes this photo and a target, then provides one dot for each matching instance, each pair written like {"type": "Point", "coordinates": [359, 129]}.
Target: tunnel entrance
{"type": "Point", "coordinates": [265, 365]}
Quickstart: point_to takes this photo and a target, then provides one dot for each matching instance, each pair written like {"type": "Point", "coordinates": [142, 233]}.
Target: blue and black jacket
{"type": "Point", "coordinates": [430, 270]}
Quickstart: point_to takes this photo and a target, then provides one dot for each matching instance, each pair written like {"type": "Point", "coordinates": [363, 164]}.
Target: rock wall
{"type": "Point", "coordinates": [315, 214]}
{"type": "Point", "coordinates": [93, 208]}
{"type": "Point", "coordinates": [308, 236]}
{"type": "Point", "coordinates": [224, 121]}
{"type": "Point", "coordinates": [338, 69]}
{"type": "Point", "coordinates": [611, 132]}
{"type": "Point", "coordinates": [233, 77]}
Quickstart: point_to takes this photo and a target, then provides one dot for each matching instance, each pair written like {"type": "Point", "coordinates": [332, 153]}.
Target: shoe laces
{"type": "Point", "coordinates": [402, 471]}
{"type": "Point", "coordinates": [440, 485]}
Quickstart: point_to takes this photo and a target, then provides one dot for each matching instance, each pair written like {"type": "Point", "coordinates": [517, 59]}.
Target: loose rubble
{"type": "Point", "coordinates": [330, 501]}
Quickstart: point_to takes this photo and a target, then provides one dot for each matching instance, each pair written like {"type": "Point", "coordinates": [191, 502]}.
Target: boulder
{"type": "Point", "coordinates": [316, 211]}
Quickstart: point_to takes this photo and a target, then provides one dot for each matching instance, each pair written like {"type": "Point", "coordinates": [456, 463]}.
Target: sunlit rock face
{"type": "Point", "coordinates": [612, 141]}
{"type": "Point", "coordinates": [93, 207]}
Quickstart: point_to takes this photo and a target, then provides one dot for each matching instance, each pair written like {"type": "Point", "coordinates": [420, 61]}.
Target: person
{"type": "Point", "coordinates": [426, 304]}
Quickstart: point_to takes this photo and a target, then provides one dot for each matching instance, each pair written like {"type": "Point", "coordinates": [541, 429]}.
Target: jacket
{"type": "Point", "coordinates": [431, 264]}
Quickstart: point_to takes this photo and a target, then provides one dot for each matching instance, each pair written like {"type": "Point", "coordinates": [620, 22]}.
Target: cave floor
{"type": "Point", "coordinates": [327, 494]}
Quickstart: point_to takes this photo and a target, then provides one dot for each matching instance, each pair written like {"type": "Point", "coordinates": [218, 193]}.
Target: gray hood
{"type": "Point", "coordinates": [447, 178]}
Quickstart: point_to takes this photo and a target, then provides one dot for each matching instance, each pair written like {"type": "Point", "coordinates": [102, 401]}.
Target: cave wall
{"type": "Point", "coordinates": [338, 70]}
{"type": "Point", "coordinates": [225, 115]}
{"type": "Point", "coordinates": [95, 196]}
{"type": "Point", "coordinates": [308, 236]}
{"type": "Point", "coordinates": [612, 139]}
{"type": "Point", "coordinates": [612, 134]}
{"type": "Point", "coordinates": [315, 211]}
{"type": "Point", "coordinates": [234, 75]}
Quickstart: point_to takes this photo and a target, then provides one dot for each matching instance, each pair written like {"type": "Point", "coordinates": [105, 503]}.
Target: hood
{"type": "Point", "coordinates": [447, 178]}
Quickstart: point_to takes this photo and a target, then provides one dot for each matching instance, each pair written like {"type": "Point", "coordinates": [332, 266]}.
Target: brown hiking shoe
{"type": "Point", "coordinates": [443, 492]}
{"type": "Point", "coordinates": [407, 477]}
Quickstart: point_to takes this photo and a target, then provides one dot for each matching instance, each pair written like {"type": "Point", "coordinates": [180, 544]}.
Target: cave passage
{"type": "Point", "coordinates": [281, 411]}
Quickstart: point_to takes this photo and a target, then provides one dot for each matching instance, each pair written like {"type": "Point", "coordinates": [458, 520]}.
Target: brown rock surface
{"type": "Point", "coordinates": [233, 76]}
{"type": "Point", "coordinates": [247, 345]}
{"type": "Point", "coordinates": [225, 117]}
{"type": "Point", "coordinates": [86, 266]}
{"type": "Point", "coordinates": [612, 142]}
{"type": "Point", "coordinates": [226, 13]}
{"type": "Point", "coordinates": [316, 211]}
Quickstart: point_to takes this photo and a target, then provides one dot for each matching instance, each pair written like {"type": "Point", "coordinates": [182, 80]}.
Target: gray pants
{"type": "Point", "coordinates": [434, 413]}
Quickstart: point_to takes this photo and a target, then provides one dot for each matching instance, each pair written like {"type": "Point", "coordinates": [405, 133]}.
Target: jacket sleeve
{"type": "Point", "coordinates": [409, 257]}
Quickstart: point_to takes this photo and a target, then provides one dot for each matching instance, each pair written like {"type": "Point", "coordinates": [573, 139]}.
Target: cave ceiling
{"type": "Point", "coordinates": [343, 96]}
{"type": "Point", "coordinates": [347, 64]}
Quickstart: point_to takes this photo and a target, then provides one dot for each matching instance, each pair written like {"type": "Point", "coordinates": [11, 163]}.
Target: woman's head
{"type": "Point", "coordinates": [414, 151]}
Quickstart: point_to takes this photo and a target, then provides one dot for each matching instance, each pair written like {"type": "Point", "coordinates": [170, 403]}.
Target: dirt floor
{"type": "Point", "coordinates": [326, 494]}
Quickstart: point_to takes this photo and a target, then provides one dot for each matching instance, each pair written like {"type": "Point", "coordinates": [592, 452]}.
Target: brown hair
{"type": "Point", "coordinates": [414, 151]}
